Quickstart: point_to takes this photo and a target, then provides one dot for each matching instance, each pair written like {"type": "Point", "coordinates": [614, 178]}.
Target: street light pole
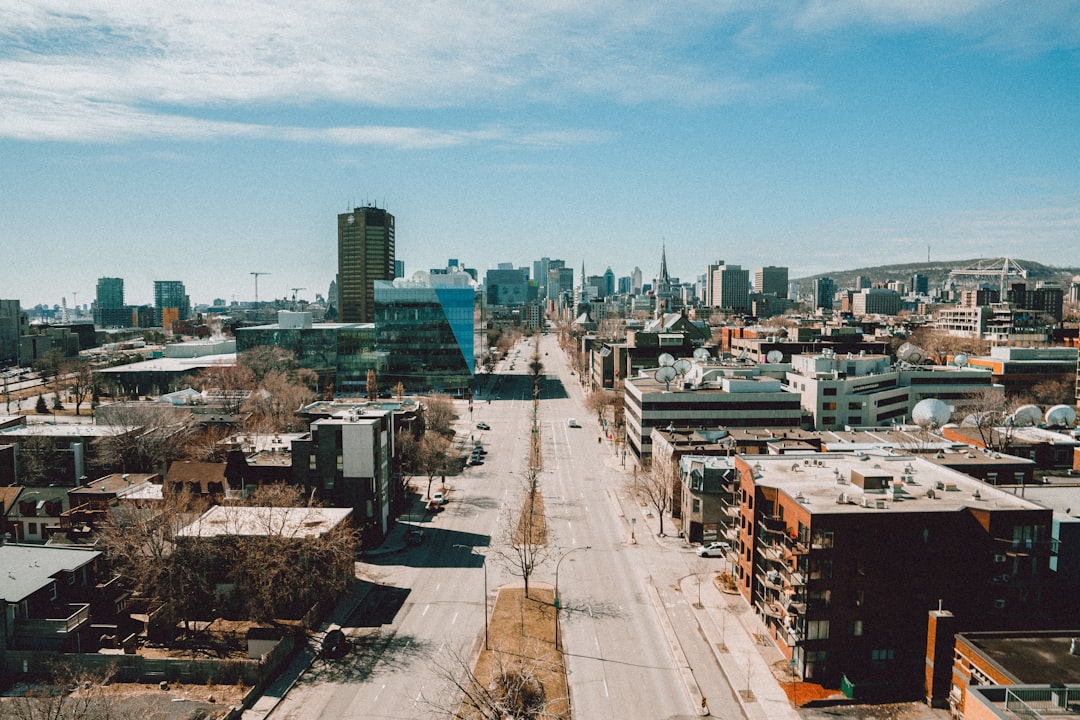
{"type": "Point", "coordinates": [558, 601]}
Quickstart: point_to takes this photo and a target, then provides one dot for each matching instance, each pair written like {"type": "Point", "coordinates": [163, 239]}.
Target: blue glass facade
{"type": "Point", "coordinates": [426, 331]}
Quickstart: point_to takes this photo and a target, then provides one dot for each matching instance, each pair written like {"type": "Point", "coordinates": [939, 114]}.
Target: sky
{"type": "Point", "coordinates": [206, 140]}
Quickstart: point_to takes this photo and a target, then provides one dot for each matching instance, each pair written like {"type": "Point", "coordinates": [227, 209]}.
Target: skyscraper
{"type": "Point", "coordinates": [727, 286]}
{"type": "Point", "coordinates": [109, 308]}
{"type": "Point", "coordinates": [171, 302]}
{"type": "Point", "coordinates": [824, 289]}
{"type": "Point", "coordinates": [365, 254]}
{"type": "Point", "coordinates": [771, 280]}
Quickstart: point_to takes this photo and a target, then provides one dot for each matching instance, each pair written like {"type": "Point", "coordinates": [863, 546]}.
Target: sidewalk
{"type": "Point", "coordinates": [730, 626]}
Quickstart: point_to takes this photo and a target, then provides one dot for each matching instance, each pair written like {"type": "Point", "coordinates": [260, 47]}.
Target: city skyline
{"type": "Point", "coordinates": [208, 142]}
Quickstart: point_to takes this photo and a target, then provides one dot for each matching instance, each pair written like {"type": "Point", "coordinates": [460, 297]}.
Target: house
{"type": "Point", "coordinates": [47, 595]}
{"type": "Point", "coordinates": [34, 512]}
{"type": "Point", "coordinates": [710, 498]}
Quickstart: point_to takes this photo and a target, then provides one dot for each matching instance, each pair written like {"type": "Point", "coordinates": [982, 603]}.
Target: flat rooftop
{"type": "Point", "coordinates": [1032, 658]}
{"type": "Point", "coordinates": [290, 522]}
{"type": "Point", "coordinates": [910, 484]}
{"type": "Point", "coordinates": [172, 364]}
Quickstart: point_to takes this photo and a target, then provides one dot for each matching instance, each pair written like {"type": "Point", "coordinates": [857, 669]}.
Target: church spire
{"type": "Point", "coordinates": [664, 277]}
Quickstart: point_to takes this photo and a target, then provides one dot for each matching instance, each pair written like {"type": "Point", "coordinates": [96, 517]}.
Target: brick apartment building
{"type": "Point", "coordinates": [843, 556]}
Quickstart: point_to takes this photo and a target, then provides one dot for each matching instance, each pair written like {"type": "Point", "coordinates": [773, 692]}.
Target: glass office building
{"type": "Point", "coordinates": [426, 330]}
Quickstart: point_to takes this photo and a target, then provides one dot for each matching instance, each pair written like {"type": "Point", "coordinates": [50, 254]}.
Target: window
{"type": "Point", "coordinates": [828, 391]}
{"type": "Point", "coordinates": [856, 628]}
{"type": "Point", "coordinates": [697, 505]}
{"type": "Point", "coordinates": [52, 591]}
{"type": "Point", "coordinates": [991, 477]}
{"type": "Point", "coordinates": [817, 630]}
{"type": "Point", "coordinates": [881, 657]}
{"type": "Point", "coordinates": [828, 406]}
{"type": "Point", "coordinates": [31, 528]}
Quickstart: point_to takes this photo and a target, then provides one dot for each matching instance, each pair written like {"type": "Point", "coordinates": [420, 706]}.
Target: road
{"type": "Point", "coordinates": [633, 647]}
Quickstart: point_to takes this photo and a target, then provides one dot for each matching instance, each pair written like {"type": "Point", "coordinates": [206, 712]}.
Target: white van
{"type": "Point", "coordinates": [571, 422]}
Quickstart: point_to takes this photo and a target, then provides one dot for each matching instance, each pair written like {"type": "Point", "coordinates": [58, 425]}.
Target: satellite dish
{"type": "Point", "coordinates": [911, 353]}
{"type": "Point", "coordinates": [1025, 416]}
{"type": "Point", "coordinates": [665, 375]}
{"type": "Point", "coordinates": [666, 360]}
{"type": "Point", "coordinates": [701, 355]}
{"type": "Point", "coordinates": [604, 351]}
{"type": "Point", "coordinates": [960, 360]}
{"type": "Point", "coordinates": [682, 366]}
{"type": "Point", "coordinates": [1061, 416]}
{"type": "Point", "coordinates": [774, 356]}
{"type": "Point", "coordinates": [931, 413]}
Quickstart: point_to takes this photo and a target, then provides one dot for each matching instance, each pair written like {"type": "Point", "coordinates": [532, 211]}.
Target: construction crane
{"type": "Point", "coordinates": [294, 293]}
{"type": "Point", "coordinates": [1001, 268]}
{"type": "Point", "coordinates": [257, 274]}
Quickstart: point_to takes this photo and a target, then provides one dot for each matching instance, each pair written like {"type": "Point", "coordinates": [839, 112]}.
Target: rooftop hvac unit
{"type": "Point", "coordinates": [865, 502]}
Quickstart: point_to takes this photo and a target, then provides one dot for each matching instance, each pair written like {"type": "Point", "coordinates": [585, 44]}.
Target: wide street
{"type": "Point", "coordinates": [632, 643]}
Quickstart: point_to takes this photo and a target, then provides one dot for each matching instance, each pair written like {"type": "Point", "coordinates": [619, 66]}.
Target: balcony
{"type": "Point", "coordinates": [60, 620]}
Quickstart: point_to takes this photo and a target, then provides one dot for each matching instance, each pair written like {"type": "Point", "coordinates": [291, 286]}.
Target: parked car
{"type": "Point", "coordinates": [571, 422]}
{"type": "Point", "coordinates": [716, 549]}
{"type": "Point", "coordinates": [438, 499]}
{"type": "Point", "coordinates": [482, 426]}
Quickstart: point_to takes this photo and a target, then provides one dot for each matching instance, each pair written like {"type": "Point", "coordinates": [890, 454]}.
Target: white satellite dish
{"type": "Point", "coordinates": [931, 413]}
{"type": "Point", "coordinates": [665, 360]}
{"type": "Point", "coordinates": [960, 360]}
{"type": "Point", "coordinates": [910, 353]}
{"type": "Point", "coordinates": [774, 356]}
{"type": "Point", "coordinates": [1061, 416]}
{"type": "Point", "coordinates": [702, 355]}
{"type": "Point", "coordinates": [604, 351]}
{"type": "Point", "coordinates": [1025, 416]}
{"type": "Point", "coordinates": [682, 366]}
{"type": "Point", "coordinates": [665, 374]}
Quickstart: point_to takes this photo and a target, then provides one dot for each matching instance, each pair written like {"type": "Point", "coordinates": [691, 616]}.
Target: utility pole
{"type": "Point", "coordinates": [257, 274]}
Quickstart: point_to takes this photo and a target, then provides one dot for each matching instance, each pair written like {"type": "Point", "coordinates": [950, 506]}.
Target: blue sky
{"type": "Point", "coordinates": [204, 140]}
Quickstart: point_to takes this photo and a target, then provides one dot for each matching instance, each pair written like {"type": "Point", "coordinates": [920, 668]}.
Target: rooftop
{"type": "Point", "coordinates": [25, 569]}
{"type": "Point", "coordinates": [1031, 657]}
{"type": "Point", "coordinates": [897, 482]}
{"type": "Point", "coordinates": [290, 522]}
{"type": "Point", "coordinates": [172, 364]}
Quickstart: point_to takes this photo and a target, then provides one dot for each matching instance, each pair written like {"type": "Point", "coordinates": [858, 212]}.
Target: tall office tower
{"type": "Point", "coordinates": [727, 286]}
{"type": "Point", "coordinates": [540, 274]}
{"type": "Point", "coordinates": [10, 330]}
{"type": "Point", "coordinates": [824, 290]}
{"type": "Point", "coordinates": [609, 283]}
{"type": "Point", "coordinates": [365, 254]}
{"type": "Point", "coordinates": [399, 268]}
{"type": "Point", "coordinates": [109, 308]}
{"type": "Point", "coordinates": [636, 281]}
{"type": "Point", "coordinates": [171, 302]}
{"type": "Point", "coordinates": [771, 280]}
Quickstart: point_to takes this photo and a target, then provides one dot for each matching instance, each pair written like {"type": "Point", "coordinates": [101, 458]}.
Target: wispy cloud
{"type": "Point", "coordinates": [110, 71]}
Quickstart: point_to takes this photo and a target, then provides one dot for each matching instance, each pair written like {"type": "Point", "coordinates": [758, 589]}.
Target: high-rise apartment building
{"type": "Point", "coordinates": [365, 254]}
{"type": "Point", "coordinates": [727, 286]}
{"type": "Point", "coordinates": [824, 290]}
{"type": "Point", "coordinates": [171, 302]}
{"type": "Point", "coordinates": [771, 280]}
{"type": "Point", "coordinates": [109, 307]}
{"type": "Point", "coordinates": [10, 330]}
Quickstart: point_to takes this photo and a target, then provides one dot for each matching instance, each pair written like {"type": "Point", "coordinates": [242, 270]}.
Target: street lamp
{"type": "Point", "coordinates": [558, 602]}
{"type": "Point", "coordinates": [483, 564]}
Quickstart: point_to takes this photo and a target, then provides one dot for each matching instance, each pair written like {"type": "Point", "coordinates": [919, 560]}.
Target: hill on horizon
{"type": "Point", "coordinates": [937, 273]}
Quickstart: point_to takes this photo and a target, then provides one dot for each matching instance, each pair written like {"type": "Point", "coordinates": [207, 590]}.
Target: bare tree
{"type": "Point", "coordinates": [72, 694]}
{"type": "Point", "coordinates": [509, 688]}
{"type": "Point", "coordinates": [655, 487]}
{"type": "Point", "coordinates": [524, 542]}
{"type": "Point", "coordinates": [143, 436]}
{"type": "Point", "coordinates": [439, 414]}
{"type": "Point", "coordinates": [274, 406]}
{"type": "Point", "coordinates": [599, 401]}
{"type": "Point", "coordinates": [80, 380]}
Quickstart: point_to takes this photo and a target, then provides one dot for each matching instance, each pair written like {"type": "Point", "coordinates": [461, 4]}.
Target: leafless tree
{"type": "Point", "coordinates": [599, 401]}
{"type": "Point", "coordinates": [40, 461]}
{"type": "Point", "coordinates": [80, 380]}
{"type": "Point", "coordinates": [523, 537]}
{"type": "Point", "coordinates": [71, 694]}
{"type": "Point", "coordinates": [508, 688]}
{"type": "Point", "coordinates": [439, 414]}
{"type": "Point", "coordinates": [274, 405]}
{"type": "Point", "coordinates": [655, 486]}
{"type": "Point", "coordinates": [143, 436]}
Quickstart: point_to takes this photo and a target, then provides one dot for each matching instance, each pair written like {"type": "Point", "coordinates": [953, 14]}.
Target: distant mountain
{"type": "Point", "coordinates": [937, 273]}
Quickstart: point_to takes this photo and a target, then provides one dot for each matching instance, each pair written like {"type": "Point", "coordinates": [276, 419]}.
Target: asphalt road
{"type": "Point", "coordinates": [633, 647]}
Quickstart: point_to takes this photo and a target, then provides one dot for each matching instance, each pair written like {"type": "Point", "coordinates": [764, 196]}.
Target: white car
{"type": "Point", "coordinates": [716, 549]}
{"type": "Point", "coordinates": [438, 499]}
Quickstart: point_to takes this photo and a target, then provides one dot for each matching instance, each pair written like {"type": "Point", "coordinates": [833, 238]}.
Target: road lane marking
{"type": "Point", "coordinates": [426, 608]}
{"type": "Point", "coordinates": [606, 694]}
{"type": "Point", "coordinates": [454, 620]}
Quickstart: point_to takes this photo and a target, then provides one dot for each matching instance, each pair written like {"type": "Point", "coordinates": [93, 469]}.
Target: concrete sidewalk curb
{"type": "Point", "coordinates": [769, 701]}
{"type": "Point", "coordinates": [677, 652]}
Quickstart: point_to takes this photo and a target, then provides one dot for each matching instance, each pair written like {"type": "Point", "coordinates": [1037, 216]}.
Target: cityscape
{"type": "Point", "coordinates": [523, 362]}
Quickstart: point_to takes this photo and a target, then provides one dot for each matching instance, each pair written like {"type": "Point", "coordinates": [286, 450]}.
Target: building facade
{"type": "Point", "coordinates": [365, 255]}
{"type": "Point", "coordinates": [771, 280]}
{"type": "Point", "coordinates": [109, 308]}
{"type": "Point", "coordinates": [727, 287]}
{"type": "Point", "coordinates": [426, 331]}
{"type": "Point", "coordinates": [171, 302]}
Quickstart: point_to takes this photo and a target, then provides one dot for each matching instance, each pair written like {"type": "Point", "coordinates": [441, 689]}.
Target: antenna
{"type": "Point", "coordinates": [666, 374]}
{"type": "Point", "coordinates": [257, 274]}
{"type": "Point", "coordinates": [665, 360]}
